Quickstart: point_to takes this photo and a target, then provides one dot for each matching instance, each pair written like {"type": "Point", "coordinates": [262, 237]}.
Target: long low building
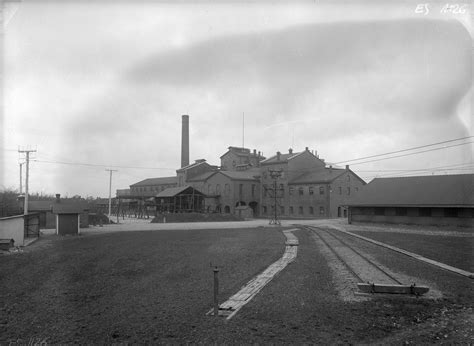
{"type": "Point", "coordinates": [426, 200]}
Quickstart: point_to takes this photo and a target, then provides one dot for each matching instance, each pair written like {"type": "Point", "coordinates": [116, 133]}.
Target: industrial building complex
{"type": "Point", "coordinates": [291, 184]}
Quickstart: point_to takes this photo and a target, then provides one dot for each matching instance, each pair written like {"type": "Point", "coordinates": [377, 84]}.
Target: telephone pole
{"type": "Point", "coordinates": [27, 152]}
{"type": "Point", "coordinates": [21, 177]}
{"type": "Point", "coordinates": [275, 174]}
{"type": "Point", "coordinates": [110, 191]}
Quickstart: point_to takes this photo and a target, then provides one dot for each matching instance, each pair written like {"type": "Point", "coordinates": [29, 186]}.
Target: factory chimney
{"type": "Point", "coordinates": [185, 141]}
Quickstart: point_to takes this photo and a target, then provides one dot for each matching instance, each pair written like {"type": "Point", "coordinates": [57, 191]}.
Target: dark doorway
{"type": "Point", "coordinates": [254, 206]}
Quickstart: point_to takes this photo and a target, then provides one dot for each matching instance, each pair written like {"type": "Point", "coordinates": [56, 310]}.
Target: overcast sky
{"type": "Point", "coordinates": [107, 83]}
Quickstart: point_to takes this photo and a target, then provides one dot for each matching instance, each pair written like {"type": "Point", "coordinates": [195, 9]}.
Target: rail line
{"type": "Point", "coordinates": [359, 265]}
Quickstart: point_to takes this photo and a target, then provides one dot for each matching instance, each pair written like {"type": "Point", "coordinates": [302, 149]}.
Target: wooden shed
{"type": "Point", "coordinates": [68, 219]}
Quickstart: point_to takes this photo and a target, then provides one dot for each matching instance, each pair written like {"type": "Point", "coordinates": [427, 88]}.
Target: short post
{"type": "Point", "coordinates": [216, 292]}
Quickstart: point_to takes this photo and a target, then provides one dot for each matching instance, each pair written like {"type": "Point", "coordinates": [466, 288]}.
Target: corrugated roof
{"type": "Point", "coordinates": [433, 190]}
{"type": "Point", "coordinates": [157, 181]}
{"type": "Point", "coordinates": [324, 175]}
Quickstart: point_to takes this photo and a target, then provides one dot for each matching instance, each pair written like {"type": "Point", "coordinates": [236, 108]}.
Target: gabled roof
{"type": "Point", "coordinates": [318, 176]}
{"type": "Point", "coordinates": [156, 181]}
{"type": "Point", "coordinates": [62, 208]}
{"type": "Point", "coordinates": [202, 177]}
{"type": "Point", "coordinates": [433, 190]}
{"type": "Point", "coordinates": [53, 205]}
{"type": "Point", "coordinates": [192, 165]}
{"type": "Point", "coordinates": [233, 175]}
{"type": "Point", "coordinates": [241, 175]}
{"type": "Point", "coordinates": [174, 191]}
{"type": "Point", "coordinates": [283, 158]}
{"type": "Point", "coordinates": [239, 151]}
{"type": "Point", "coordinates": [40, 205]}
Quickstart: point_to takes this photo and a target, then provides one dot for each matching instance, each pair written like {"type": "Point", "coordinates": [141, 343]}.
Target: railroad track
{"type": "Point", "coordinates": [371, 276]}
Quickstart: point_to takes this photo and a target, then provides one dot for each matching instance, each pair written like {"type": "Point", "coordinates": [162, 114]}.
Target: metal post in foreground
{"type": "Point", "coordinates": [216, 292]}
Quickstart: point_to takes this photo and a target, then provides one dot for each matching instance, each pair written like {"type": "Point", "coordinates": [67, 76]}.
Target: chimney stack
{"type": "Point", "coordinates": [278, 155]}
{"type": "Point", "coordinates": [290, 151]}
{"type": "Point", "coordinates": [58, 198]}
{"type": "Point", "coordinates": [185, 141]}
{"type": "Point", "coordinates": [347, 167]}
{"type": "Point", "coordinates": [330, 169]}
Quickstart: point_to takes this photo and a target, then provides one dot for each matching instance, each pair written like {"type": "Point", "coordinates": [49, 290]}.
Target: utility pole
{"type": "Point", "coordinates": [275, 174]}
{"type": "Point", "coordinates": [27, 152]}
{"type": "Point", "coordinates": [21, 177]}
{"type": "Point", "coordinates": [110, 191]}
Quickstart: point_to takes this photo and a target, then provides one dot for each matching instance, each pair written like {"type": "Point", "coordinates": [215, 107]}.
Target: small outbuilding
{"type": "Point", "coordinates": [68, 219]}
{"type": "Point", "coordinates": [425, 200]}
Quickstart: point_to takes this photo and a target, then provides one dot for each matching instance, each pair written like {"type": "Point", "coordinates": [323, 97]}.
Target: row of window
{"type": "Point", "coordinates": [311, 190]}
{"type": "Point", "coordinates": [211, 190]}
{"type": "Point", "coordinates": [150, 188]}
{"type": "Point", "coordinates": [422, 211]}
{"type": "Point", "coordinates": [291, 210]}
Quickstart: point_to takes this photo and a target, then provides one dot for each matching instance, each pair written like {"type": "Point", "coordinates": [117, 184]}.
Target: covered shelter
{"type": "Point", "coordinates": [181, 199]}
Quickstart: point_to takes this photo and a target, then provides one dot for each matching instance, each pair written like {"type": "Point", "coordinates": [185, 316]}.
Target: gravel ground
{"type": "Point", "coordinates": [155, 287]}
{"type": "Point", "coordinates": [453, 246]}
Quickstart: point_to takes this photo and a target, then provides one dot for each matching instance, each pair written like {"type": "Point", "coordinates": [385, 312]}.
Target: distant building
{"type": "Point", "coordinates": [236, 159]}
{"type": "Point", "coordinates": [305, 187]}
{"type": "Point", "coordinates": [195, 169]}
{"type": "Point", "coordinates": [433, 200]}
{"type": "Point", "coordinates": [300, 185]}
{"type": "Point", "coordinates": [152, 186]}
{"type": "Point", "coordinates": [226, 190]}
{"type": "Point", "coordinates": [48, 209]}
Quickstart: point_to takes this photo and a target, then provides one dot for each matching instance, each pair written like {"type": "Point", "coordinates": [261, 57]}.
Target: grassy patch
{"type": "Point", "coordinates": [137, 286]}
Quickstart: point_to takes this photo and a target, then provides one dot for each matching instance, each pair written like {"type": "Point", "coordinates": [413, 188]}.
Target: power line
{"type": "Point", "coordinates": [419, 169]}
{"type": "Point", "coordinates": [418, 152]}
{"type": "Point", "coordinates": [99, 165]}
{"type": "Point", "coordinates": [404, 150]}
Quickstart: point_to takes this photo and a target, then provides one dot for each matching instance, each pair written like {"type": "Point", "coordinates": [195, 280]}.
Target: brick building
{"type": "Point", "coordinates": [226, 190]}
{"type": "Point", "coordinates": [300, 185]}
{"type": "Point", "coordinates": [236, 159]}
{"type": "Point", "coordinates": [193, 170]}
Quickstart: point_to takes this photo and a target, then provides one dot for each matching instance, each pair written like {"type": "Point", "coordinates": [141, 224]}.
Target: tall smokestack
{"type": "Point", "coordinates": [185, 141]}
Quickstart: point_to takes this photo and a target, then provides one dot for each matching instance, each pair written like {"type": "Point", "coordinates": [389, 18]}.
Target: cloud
{"type": "Point", "coordinates": [409, 67]}
{"type": "Point", "coordinates": [346, 89]}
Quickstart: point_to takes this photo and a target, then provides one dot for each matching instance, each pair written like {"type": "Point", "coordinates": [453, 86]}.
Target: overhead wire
{"type": "Point", "coordinates": [404, 150]}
